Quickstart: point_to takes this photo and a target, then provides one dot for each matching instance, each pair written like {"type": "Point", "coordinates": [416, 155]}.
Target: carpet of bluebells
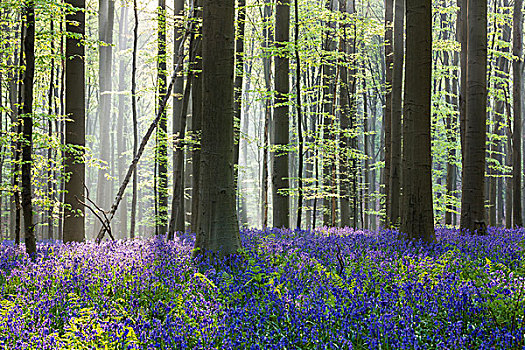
{"type": "Point", "coordinates": [324, 289]}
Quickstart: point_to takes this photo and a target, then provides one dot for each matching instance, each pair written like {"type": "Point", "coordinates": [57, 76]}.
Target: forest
{"type": "Point", "coordinates": [262, 174]}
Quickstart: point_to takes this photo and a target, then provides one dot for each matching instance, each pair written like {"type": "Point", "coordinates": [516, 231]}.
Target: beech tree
{"type": "Point", "coordinates": [473, 187]}
{"type": "Point", "coordinates": [74, 229]}
{"type": "Point", "coordinates": [27, 128]}
{"type": "Point", "coordinates": [517, 68]}
{"type": "Point", "coordinates": [417, 217]}
{"type": "Point", "coordinates": [218, 229]}
{"type": "Point", "coordinates": [281, 116]}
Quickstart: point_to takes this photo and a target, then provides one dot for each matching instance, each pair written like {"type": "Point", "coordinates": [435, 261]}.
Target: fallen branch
{"type": "Point", "coordinates": [102, 221]}
{"type": "Point", "coordinates": [148, 134]}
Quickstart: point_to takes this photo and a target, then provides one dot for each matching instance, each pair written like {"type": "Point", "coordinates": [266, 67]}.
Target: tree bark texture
{"type": "Point", "coordinates": [218, 226]}
{"type": "Point", "coordinates": [75, 139]}
{"type": "Point", "coordinates": [417, 217]}
{"type": "Point", "coordinates": [473, 186]}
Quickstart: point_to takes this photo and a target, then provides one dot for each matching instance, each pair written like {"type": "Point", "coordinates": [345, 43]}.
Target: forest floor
{"type": "Point", "coordinates": [331, 288]}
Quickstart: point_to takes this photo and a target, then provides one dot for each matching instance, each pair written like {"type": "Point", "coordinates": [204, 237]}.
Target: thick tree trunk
{"type": "Point", "coordinates": [218, 226]}
{"type": "Point", "coordinates": [417, 220]}
{"type": "Point", "coordinates": [75, 137]}
{"type": "Point", "coordinates": [396, 114]}
{"type": "Point", "coordinates": [281, 116]}
{"type": "Point", "coordinates": [517, 51]}
{"type": "Point", "coordinates": [473, 187]}
{"type": "Point", "coordinates": [27, 122]}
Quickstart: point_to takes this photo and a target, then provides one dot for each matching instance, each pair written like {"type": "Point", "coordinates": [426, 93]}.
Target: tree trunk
{"type": "Point", "coordinates": [473, 187]}
{"type": "Point", "coordinates": [417, 220]}
{"type": "Point", "coordinates": [300, 155]}
{"type": "Point", "coordinates": [161, 152]}
{"type": "Point", "coordinates": [27, 122]}
{"type": "Point", "coordinates": [180, 106]}
{"type": "Point", "coordinates": [50, 161]}
{"type": "Point", "coordinates": [329, 86]}
{"type": "Point", "coordinates": [239, 79]}
{"type": "Point", "coordinates": [387, 119]}
{"type": "Point", "coordinates": [134, 119]}
{"type": "Point", "coordinates": [74, 229]}
{"type": "Point", "coordinates": [280, 127]}
{"type": "Point", "coordinates": [397, 114]}
{"type": "Point", "coordinates": [121, 141]}
{"type": "Point", "coordinates": [502, 72]}
{"type": "Point", "coordinates": [218, 226]}
{"type": "Point", "coordinates": [106, 17]}
{"type": "Point", "coordinates": [196, 120]}
{"type": "Point", "coordinates": [517, 50]}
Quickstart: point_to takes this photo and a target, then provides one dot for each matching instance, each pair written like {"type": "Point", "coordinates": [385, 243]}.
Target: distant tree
{"type": "Point", "coordinates": [218, 226]}
{"type": "Point", "coordinates": [74, 229]}
{"type": "Point", "coordinates": [122, 109]}
{"type": "Point", "coordinates": [106, 19]}
{"type": "Point", "coordinates": [417, 217]}
{"type": "Point", "coordinates": [473, 186]}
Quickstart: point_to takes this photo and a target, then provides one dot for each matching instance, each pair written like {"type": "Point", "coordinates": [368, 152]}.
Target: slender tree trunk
{"type": "Point", "coordinates": [218, 226]}
{"type": "Point", "coordinates": [473, 197]}
{"type": "Point", "coordinates": [300, 155]}
{"type": "Point", "coordinates": [239, 75]}
{"type": "Point", "coordinates": [161, 152]}
{"type": "Point", "coordinates": [268, 39]}
{"type": "Point", "coordinates": [417, 221]}
{"type": "Point", "coordinates": [121, 141]}
{"type": "Point", "coordinates": [27, 121]}
{"type": "Point", "coordinates": [134, 119]}
{"type": "Point", "coordinates": [387, 119]}
{"type": "Point", "coordinates": [239, 79]}
{"type": "Point", "coordinates": [508, 163]}
{"type": "Point", "coordinates": [50, 162]}
{"type": "Point", "coordinates": [75, 137]}
{"type": "Point", "coordinates": [196, 120]}
{"type": "Point", "coordinates": [517, 51]}
{"type": "Point", "coordinates": [180, 106]}
{"type": "Point", "coordinates": [329, 86]}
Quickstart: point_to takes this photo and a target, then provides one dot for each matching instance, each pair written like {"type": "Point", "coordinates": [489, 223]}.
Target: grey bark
{"type": "Point", "coordinates": [473, 187]}
{"type": "Point", "coordinates": [75, 132]}
{"type": "Point", "coordinates": [281, 116]}
{"type": "Point", "coordinates": [417, 218]}
{"type": "Point", "coordinates": [218, 226]}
